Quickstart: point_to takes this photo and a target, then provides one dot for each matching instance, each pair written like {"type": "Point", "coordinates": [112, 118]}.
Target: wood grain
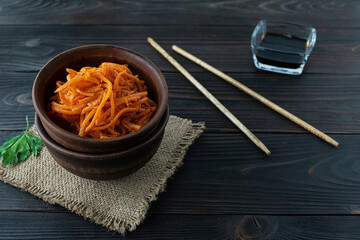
{"type": "Point", "coordinates": [225, 173]}
{"type": "Point", "coordinates": [322, 100]}
{"type": "Point", "coordinates": [226, 48]}
{"type": "Point", "coordinates": [342, 13]}
{"type": "Point", "coordinates": [224, 182]}
{"type": "Point", "coordinates": [244, 227]}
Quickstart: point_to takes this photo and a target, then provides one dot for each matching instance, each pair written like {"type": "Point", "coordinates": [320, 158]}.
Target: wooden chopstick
{"type": "Point", "coordinates": [256, 96]}
{"type": "Point", "coordinates": [203, 90]}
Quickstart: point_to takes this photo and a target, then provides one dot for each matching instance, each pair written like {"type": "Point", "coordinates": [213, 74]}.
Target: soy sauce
{"type": "Point", "coordinates": [281, 50]}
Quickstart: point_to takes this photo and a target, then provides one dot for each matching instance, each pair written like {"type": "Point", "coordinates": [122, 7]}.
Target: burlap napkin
{"type": "Point", "coordinates": [119, 205]}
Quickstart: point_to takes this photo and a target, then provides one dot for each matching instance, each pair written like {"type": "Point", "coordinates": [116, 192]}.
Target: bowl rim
{"type": "Point", "coordinates": [95, 156]}
{"type": "Point", "coordinates": [74, 137]}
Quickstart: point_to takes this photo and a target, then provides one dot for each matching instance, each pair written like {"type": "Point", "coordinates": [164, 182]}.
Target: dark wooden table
{"type": "Point", "coordinates": [227, 188]}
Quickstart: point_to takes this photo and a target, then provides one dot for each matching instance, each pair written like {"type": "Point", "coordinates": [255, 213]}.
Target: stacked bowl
{"type": "Point", "coordinates": [100, 159]}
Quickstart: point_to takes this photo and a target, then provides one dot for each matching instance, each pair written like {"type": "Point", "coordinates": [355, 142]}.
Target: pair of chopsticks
{"type": "Point", "coordinates": [237, 84]}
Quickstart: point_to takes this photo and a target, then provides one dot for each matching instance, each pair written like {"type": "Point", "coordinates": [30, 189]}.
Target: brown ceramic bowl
{"type": "Point", "coordinates": [94, 55]}
{"type": "Point", "coordinates": [105, 166]}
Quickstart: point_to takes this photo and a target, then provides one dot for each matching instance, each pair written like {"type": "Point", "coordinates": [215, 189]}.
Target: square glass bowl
{"type": "Point", "coordinates": [282, 47]}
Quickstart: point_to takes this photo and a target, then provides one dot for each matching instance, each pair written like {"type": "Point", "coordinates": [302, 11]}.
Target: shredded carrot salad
{"type": "Point", "coordinates": [104, 102]}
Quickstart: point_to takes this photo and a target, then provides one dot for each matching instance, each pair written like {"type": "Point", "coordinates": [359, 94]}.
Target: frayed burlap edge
{"type": "Point", "coordinates": [117, 224]}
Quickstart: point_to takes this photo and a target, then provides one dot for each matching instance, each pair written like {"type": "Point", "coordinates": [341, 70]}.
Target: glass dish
{"type": "Point", "coordinates": [282, 47]}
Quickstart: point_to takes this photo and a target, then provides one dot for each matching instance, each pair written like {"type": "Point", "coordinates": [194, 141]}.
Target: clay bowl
{"type": "Point", "coordinates": [105, 166]}
{"type": "Point", "coordinates": [94, 55]}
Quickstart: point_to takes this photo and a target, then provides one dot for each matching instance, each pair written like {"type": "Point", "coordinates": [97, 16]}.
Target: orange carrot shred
{"type": "Point", "coordinates": [101, 102]}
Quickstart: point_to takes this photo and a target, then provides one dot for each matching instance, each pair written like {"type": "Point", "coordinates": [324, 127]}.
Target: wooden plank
{"type": "Point", "coordinates": [30, 225]}
{"type": "Point", "coordinates": [226, 173]}
{"type": "Point", "coordinates": [322, 100]}
{"type": "Point", "coordinates": [28, 48]}
{"type": "Point", "coordinates": [138, 34]}
{"type": "Point", "coordinates": [341, 13]}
